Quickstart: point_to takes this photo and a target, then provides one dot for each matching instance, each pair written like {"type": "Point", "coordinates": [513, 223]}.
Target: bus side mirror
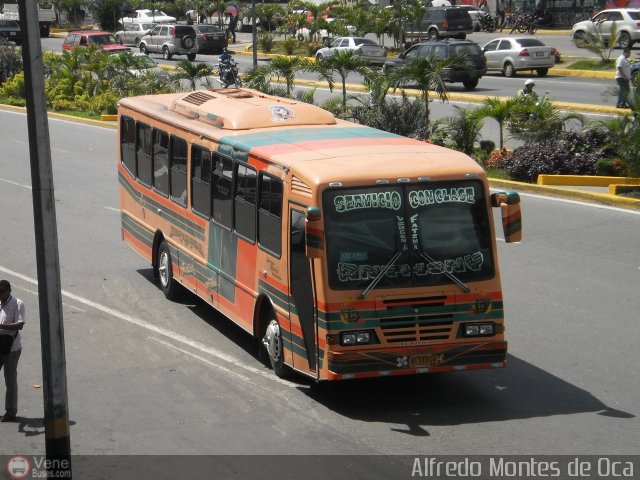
{"type": "Point", "coordinates": [313, 234]}
{"type": "Point", "coordinates": [509, 203]}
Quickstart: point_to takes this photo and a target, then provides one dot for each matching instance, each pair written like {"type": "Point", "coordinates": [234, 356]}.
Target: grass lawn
{"type": "Point", "coordinates": [594, 65]}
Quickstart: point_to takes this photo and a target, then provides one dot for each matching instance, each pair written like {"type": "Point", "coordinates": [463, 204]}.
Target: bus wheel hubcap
{"type": "Point", "coordinates": [272, 340]}
{"type": "Point", "coordinates": [163, 268]}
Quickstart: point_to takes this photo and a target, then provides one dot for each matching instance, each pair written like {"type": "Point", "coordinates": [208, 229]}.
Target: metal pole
{"type": "Point", "coordinates": [254, 37]}
{"type": "Point", "coordinates": [56, 415]}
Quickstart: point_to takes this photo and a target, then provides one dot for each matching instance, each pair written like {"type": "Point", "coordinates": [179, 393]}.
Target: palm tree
{"type": "Point", "coordinates": [500, 111]}
{"type": "Point", "coordinates": [536, 120]}
{"type": "Point", "coordinates": [282, 68]}
{"type": "Point", "coordinates": [317, 12]}
{"type": "Point", "coordinates": [463, 129]}
{"type": "Point", "coordinates": [426, 73]}
{"type": "Point", "coordinates": [192, 72]}
{"type": "Point", "coordinates": [341, 63]}
{"type": "Point", "coordinates": [266, 12]}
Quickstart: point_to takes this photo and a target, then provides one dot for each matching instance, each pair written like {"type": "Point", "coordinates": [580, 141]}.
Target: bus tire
{"type": "Point", "coordinates": [168, 284]}
{"type": "Point", "coordinates": [272, 342]}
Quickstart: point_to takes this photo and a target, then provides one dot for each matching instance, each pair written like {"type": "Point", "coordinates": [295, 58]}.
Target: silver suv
{"type": "Point", "coordinates": [170, 40]}
{"type": "Point", "coordinates": [622, 22]}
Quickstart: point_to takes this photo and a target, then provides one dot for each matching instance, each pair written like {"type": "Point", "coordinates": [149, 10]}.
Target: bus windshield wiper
{"type": "Point", "coordinates": [383, 271]}
{"type": "Point", "coordinates": [444, 271]}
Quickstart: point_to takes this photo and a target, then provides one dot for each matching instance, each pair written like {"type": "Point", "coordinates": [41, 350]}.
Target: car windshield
{"type": "Point", "coordinates": [102, 39]}
{"type": "Point", "coordinates": [9, 23]}
{"type": "Point", "coordinates": [148, 26]}
{"type": "Point", "coordinates": [529, 42]}
{"type": "Point", "coordinates": [446, 221]}
{"type": "Point", "coordinates": [209, 29]}
{"type": "Point", "coordinates": [365, 41]}
{"type": "Point", "coordinates": [467, 49]}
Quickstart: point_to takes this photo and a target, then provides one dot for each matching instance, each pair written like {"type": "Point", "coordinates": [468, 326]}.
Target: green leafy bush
{"type": "Point", "coordinates": [289, 45]}
{"type": "Point", "coordinates": [266, 41]}
{"type": "Point", "coordinates": [608, 167]}
{"type": "Point", "coordinates": [404, 117]}
{"type": "Point", "coordinates": [487, 146]}
{"type": "Point", "coordinates": [10, 61]}
{"type": "Point", "coordinates": [14, 87]}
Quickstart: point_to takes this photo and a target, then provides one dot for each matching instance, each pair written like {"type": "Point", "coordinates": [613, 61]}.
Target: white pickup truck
{"type": "Point", "coordinates": [46, 15]}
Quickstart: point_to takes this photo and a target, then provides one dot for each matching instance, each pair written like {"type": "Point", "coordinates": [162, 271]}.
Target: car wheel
{"type": "Point", "coordinates": [272, 342]}
{"type": "Point", "coordinates": [191, 56]}
{"type": "Point", "coordinates": [580, 38]}
{"type": "Point", "coordinates": [508, 70]}
{"type": "Point", "coordinates": [168, 284]}
{"type": "Point", "coordinates": [470, 84]}
{"type": "Point", "coordinates": [624, 40]}
{"type": "Point", "coordinates": [118, 40]}
{"type": "Point", "coordinates": [319, 57]}
{"type": "Point", "coordinates": [136, 41]}
{"type": "Point", "coordinates": [143, 49]}
{"type": "Point", "coordinates": [433, 34]}
{"type": "Point", "coordinates": [542, 72]}
{"type": "Point", "coordinates": [188, 42]}
{"type": "Point", "coordinates": [166, 54]}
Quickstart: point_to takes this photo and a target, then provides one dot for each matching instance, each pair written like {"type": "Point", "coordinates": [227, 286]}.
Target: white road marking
{"type": "Point", "coordinates": [164, 332]}
{"type": "Point", "coordinates": [15, 183]}
{"type": "Point", "coordinates": [112, 209]}
{"type": "Point", "coordinates": [33, 292]}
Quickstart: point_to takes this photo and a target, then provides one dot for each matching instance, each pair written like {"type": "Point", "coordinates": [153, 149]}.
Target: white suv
{"type": "Point", "coordinates": [622, 22]}
{"type": "Point", "coordinates": [170, 40]}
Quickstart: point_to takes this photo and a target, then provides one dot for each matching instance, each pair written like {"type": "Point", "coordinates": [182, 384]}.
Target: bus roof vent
{"type": "Point", "coordinates": [198, 98]}
{"type": "Point", "coordinates": [243, 109]}
{"type": "Point", "coordinates": [300, 187]}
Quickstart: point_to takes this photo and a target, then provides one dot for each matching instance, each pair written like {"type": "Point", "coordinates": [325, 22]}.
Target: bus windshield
{"type": "Point", "coordinates": [437, 227]}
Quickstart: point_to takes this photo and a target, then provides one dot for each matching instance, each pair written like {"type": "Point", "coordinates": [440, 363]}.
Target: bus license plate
{"type": "Point", "coordinates": [429, 360]}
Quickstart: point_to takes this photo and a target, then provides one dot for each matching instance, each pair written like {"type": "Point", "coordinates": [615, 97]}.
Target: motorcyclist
{"type": "Point", "coordinates": [528, 90]}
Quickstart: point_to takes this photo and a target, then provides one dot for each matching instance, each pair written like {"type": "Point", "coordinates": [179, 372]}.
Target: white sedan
{"type": "Point", "coordinates": [364, 48]}
{"type": "Point", "coordinates": [510, 55]}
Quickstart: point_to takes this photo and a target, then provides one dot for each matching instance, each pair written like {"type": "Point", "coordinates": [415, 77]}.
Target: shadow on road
{"type": "Point", "coordinates": [519, 391]}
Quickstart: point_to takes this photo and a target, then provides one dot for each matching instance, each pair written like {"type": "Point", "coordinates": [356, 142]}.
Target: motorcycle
{"type": "Point", "coordinates": [487, 23]}
{"type": "Point", "coordinates": [228, 73]}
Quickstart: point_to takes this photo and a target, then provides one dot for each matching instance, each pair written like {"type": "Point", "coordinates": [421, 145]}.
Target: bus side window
{"type": "Point", "coordinates": [128, 144]}
{"type": "Point", "coordinates": [223, 180]}
{"type": "Point", "coordinates": [245, 202]}
{"type": "Point", "coordinates": [178, 168]}
{"type": "Point", "coordinates": [270, 214]}
{"type": "Point", "coordinates": [201, 181]}
{"type": "Point", "coordinates": [144, 149]}
{"type": "Point", "coordinates": [161, 162]}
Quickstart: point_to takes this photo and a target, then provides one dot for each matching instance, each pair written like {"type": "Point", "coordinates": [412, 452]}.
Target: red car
{"type": "Point", "coordinates": [84, 38]}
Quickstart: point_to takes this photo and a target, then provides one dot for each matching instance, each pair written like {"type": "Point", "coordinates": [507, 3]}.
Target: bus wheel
{"type": "Point", "coordinates": [165, 272]}
{"type": "Point", "coordinates": [272, 341]}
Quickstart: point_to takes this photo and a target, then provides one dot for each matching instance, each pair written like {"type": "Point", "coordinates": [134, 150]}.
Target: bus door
{"type": "Point", "coordinates": [301, 292]}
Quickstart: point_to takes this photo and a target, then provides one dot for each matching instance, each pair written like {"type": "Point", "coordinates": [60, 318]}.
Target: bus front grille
{"type": "Point", "coordinates": [433, 328]}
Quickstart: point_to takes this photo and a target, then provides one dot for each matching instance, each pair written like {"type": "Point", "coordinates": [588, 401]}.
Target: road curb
{"type": "Point", "coordinates": [578, 195]}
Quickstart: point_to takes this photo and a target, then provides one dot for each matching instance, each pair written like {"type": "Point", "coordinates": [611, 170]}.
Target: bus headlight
{"type": "Point", "coordinates": [355, 338]}
{"type": "Point", "coordinates": [479, 330]}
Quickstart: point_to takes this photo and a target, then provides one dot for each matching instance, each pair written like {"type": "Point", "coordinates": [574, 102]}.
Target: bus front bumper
{"type": "Point", "coordinates": [345, 365]}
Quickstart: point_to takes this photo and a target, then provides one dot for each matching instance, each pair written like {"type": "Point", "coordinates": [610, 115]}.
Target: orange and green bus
{"type": "Point", "coordinates": [345, 251]}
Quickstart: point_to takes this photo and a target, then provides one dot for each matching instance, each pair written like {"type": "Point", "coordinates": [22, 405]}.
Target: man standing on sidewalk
{"type": "Point", "coordinates": [12, 317]}
{"type": "Point", "coordinates": [623, 77]}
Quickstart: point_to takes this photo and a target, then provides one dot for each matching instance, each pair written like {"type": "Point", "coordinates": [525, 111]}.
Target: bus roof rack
{"type": "Point", "coordinates": [243, 108]}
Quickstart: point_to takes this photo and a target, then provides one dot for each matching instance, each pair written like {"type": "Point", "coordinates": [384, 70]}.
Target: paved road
{"type": "Point", "coordinates": [560, 88]}
{"type": "Point", "coordinates": [147, 376]}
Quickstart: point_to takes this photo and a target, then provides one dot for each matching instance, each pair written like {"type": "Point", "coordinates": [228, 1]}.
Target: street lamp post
{"type": "Point", "coordinates": [254, 38]}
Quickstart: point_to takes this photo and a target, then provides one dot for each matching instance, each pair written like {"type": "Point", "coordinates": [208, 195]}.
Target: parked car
{"type": "Point", "coordinates": [84, 38]}
{"type": "Point", "coordinates": [635, 70]}
{"type": "Point", "coordinates": [10, 30]}
{"type": "Point", "coordinates": [147, 16]}
{"type": "Point", "coordinates": [365, 48]}
{"type": "Point", "coordinates": [170, 40]}
{"type": "Point", "coordinates": [441, 22]}
{"type": "Point", "coordinates": [446, 48]}
{"type": "Point", "coordinates": [210, 38]}
{"type": "Point", "coordinates": [510, 55]}
{"type": "Point", "coordinates": [146, 66]}
{"type": "Point", "coordinates": [474, 12]}
{"type": "Point", "coordinates": [623, 22]}
{"type": "Point", "coordinates": [132, 33]}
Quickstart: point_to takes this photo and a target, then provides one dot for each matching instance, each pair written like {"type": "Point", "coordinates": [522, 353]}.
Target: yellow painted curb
{"type": "Point", "coordinates": [584, 180]}
{"type": "Point", "coordinates": [69, 118]}
{"type": "Point", "coordinates": [109, 118]}
{"type": "Point", "coordinates": [616, 189]}
{"type": "Point", "coordinates": [604, 198]}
